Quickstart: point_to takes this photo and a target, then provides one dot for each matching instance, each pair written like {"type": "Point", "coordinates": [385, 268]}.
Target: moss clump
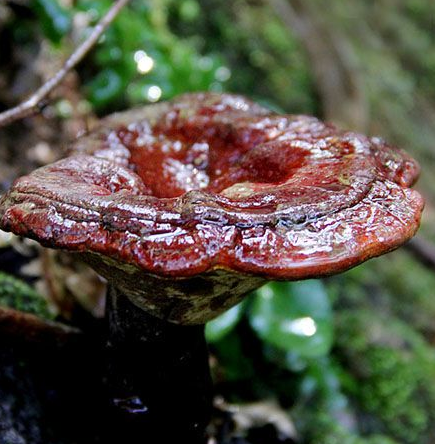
{"type": "Point", "coordinates": [392, 392]}
{"type": "Point", "coordinates": [394, 368]}
{"type": "Point", "coordinates": [18, 295]}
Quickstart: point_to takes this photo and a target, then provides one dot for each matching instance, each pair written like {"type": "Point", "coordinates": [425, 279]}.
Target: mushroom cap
{"type": "Point", "coordinates": [201, 199]}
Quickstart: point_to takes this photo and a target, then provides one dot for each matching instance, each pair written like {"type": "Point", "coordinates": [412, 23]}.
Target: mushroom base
{"type": "Point", "coordinates": [158, 377]}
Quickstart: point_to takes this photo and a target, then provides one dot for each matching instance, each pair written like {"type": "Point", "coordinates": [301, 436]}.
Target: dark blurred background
{"type": "Point", "coordinates": [346, 360]}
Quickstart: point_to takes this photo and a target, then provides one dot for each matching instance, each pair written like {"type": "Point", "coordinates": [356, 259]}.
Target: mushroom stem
{"type": "Point", "coordinates": [158, 375]}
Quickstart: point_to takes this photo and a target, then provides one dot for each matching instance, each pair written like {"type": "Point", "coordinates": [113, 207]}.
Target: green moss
{"type": "Point", "coordinates": [392, 392]}
{"type": "Point", "coordinates": [20, 296]}
{"type": "Point", "coordinates": [395, 369]}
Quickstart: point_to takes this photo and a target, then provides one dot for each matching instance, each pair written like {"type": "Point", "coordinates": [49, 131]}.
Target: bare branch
{"type": "Point", "coordinates": [36, 101]}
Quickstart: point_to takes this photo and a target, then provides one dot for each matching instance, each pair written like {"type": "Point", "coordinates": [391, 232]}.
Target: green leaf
{"type": "Point", "coordinates": [216, 329]}
{"type": "Point", "coordinates": [55, 20]}
{"type": "Point", "coordinates": [295, 317]}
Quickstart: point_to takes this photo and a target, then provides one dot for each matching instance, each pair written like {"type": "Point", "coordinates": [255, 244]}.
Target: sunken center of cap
{"type": "Point", "coordinates": [173, 158]}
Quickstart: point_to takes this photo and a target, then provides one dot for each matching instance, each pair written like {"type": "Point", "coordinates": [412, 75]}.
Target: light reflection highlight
{"type": "Point", "coordinates": [154, 93]}
{"type": "Point", "coordinates": [144, 62]}
{"type": "Point", "coordinates": [302, 326]}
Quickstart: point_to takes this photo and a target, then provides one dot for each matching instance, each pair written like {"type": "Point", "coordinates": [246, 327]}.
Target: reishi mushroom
{"type": "Point", "coordinates": [186, 206]}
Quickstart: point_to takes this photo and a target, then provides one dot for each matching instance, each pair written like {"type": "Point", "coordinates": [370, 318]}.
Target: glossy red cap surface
{"type": "Point", "coordinates": [209, 182]}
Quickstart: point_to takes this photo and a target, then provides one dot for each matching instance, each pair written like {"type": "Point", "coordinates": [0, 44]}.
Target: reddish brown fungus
{"type": "Point", "coordinates": [185, 207]}
{"type": "Point", "coordinates": [218, 188]}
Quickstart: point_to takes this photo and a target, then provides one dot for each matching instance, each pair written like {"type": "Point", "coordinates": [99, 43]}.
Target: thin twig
{"type": "Point", "coordinates": [35, 102]}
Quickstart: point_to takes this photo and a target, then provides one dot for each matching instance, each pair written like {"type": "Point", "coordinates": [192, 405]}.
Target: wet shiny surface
{"type": "Point", "coordinates": [214, 181]}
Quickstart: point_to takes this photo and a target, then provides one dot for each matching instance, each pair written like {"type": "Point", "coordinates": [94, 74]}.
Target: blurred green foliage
{"type": "Point", "coordinates": [295, 317]}
{"type": "Point", "coordinates": [266, 61]}
{"type": "Point", "coordinates": [193, 47]}
{"type": "Point", "coordinates": [220, 327]}
{"type": "Point", "coordinates": [16, 294]}
{"type": "Point", "coordinates": [139, 59]}
{"type": "Point", "coordinates": [54, 19]}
